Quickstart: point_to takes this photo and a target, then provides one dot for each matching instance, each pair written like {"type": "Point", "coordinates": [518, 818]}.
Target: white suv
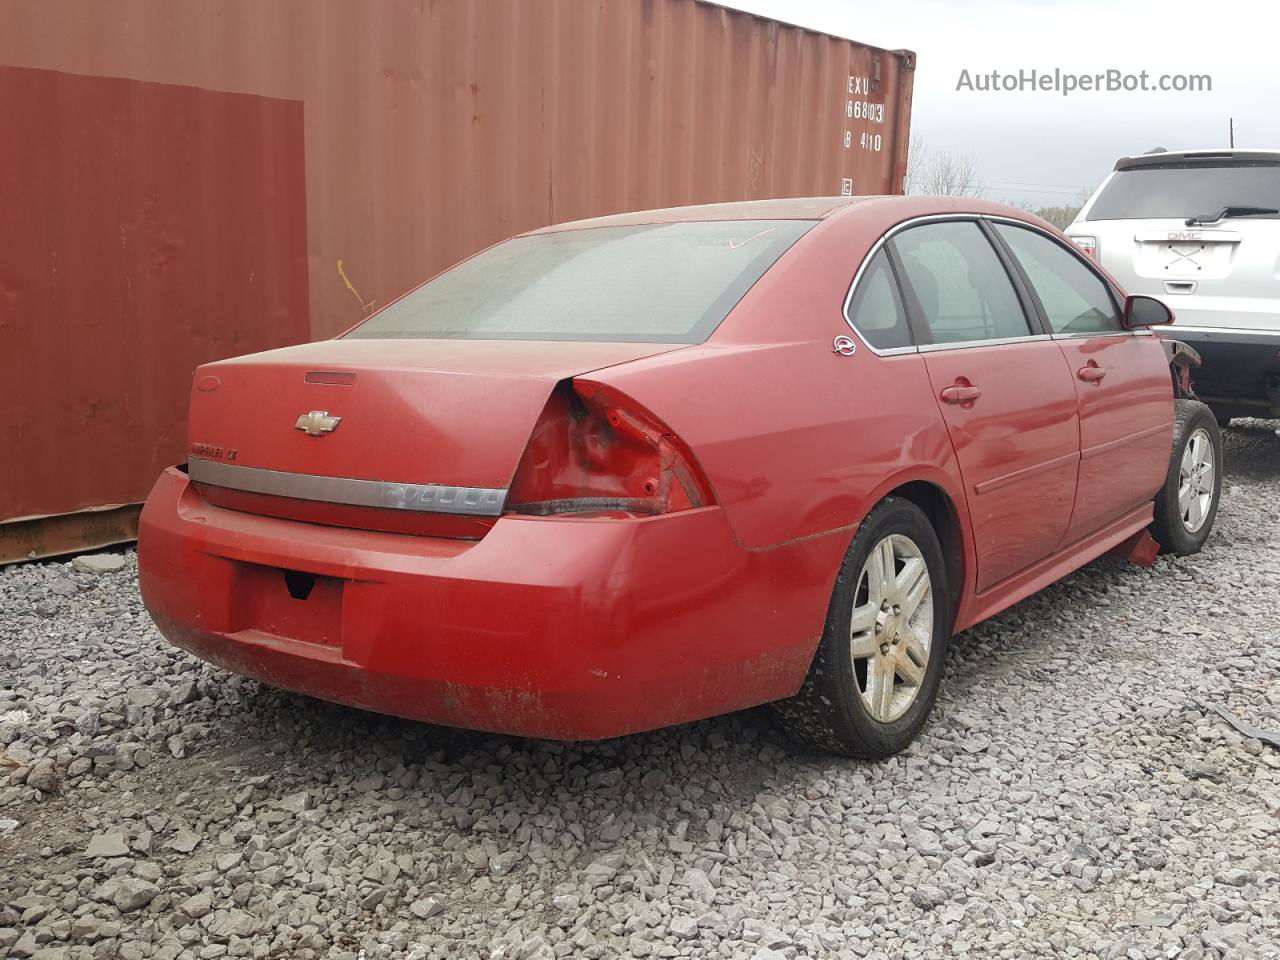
{"type": "Point", "coordinates": [1201, 231]}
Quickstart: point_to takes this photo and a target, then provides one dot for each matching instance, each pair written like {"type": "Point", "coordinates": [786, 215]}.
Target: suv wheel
{"type": "Point", "coordinates": [878, 666]}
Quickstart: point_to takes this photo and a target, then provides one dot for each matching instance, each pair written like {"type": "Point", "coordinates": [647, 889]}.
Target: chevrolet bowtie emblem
{"type": "Point", "coordinates": [317, 423]}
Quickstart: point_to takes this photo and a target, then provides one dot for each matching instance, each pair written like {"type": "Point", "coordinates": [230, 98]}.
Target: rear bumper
{"type": "Point", "coordinates": [548, 627]}
{"type": "Point", "coordinates": [1240, 372]}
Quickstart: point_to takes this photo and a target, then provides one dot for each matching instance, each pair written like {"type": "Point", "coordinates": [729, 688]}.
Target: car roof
{"type": "Point", "coordinates": [783, 208]}
{"type": "Point", "coordinates": [888, 208]}
{"type": "Point", "coordinates": [1160, 157]}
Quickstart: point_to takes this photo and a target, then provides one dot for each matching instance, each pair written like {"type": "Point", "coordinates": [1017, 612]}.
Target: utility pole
{"type": "Point", "coordinates": [1231, 127]}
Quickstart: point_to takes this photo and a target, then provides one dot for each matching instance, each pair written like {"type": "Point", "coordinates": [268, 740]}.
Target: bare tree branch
{"type": "Point", "coordinates": [941, 172]}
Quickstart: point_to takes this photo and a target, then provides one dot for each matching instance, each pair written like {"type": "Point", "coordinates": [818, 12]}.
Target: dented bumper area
{"type": "Point", "coordinates": [1237, 371]}
{"type": "Point", "coordinates": [555, 627]}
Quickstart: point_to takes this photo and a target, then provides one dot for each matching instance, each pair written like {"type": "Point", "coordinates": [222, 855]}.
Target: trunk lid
{"type": "Point", "coordinates": [405, 415]}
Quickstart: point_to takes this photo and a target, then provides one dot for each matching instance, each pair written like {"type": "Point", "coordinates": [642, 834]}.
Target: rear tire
{"type": "Point", "coordinates": [878, 667]}
{"type": "Point", "coordinates": [1187, 504]}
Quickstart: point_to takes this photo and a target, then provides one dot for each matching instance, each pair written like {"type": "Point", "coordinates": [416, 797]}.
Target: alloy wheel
{"type": "Point", "coordinates": [1196, 481]}
{"type": "Point", "coordinates": [891, 629]}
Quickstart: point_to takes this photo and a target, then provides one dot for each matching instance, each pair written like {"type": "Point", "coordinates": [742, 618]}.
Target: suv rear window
{"type": "Point", "coordinates": [655, 283]}
{"type": "Point", "coordinates": [1181, 190]}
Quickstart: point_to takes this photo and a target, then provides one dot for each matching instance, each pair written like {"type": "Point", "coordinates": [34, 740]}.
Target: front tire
{"type": "Point", "coordinates": [1187, 504]}
{"type": "Point", "coordinates": [878, 667]}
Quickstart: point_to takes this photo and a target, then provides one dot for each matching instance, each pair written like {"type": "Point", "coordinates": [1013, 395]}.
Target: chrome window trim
{"type": "Point", "coordinates": [1093, 336]}
{"type": "Point", "coordinates": [422, 497]}
{"type": "Point", "coordinates": [969, 344]}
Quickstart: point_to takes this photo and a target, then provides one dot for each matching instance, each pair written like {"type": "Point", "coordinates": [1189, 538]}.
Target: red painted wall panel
{"type": "Point", "coordinates": [146, 228]}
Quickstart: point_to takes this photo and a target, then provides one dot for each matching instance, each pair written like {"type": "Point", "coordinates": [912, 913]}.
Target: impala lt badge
{"type": "Point", "coordinates": [317, 423]}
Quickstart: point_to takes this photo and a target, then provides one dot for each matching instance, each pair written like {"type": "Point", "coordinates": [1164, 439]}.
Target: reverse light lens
{"type": "Point", "coordinates": [1089, 245]}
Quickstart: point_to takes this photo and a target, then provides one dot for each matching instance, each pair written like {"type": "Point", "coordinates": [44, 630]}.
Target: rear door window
{"type": "Point", "coordinates": [876, 310]}
{"type": "Point", "coordinates": [1074, 298]}
{"type": "Point", "coordinates": [962, 289]}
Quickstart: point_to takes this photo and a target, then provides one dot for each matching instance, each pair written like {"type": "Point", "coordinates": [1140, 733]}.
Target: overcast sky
{"type": "Point", "coordinates": [1042, 147]}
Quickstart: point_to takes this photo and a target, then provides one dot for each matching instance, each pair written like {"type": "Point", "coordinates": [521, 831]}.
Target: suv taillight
{"type": "Point", "coordinates": [1089, 245]}
{"type": "Point", "coordinates": [594, 450]}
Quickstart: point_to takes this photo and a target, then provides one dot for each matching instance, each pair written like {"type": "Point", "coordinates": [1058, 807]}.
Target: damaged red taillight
{"type": "Point", "coordinates": [594, 450]}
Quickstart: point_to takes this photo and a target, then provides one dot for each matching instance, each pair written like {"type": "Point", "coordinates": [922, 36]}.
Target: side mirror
{"type": "Point", "coordinates": [1145, 312]}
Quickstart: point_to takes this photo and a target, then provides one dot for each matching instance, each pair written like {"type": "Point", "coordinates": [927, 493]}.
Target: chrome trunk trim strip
{"type": "Point", "coordinates": [425, 497]}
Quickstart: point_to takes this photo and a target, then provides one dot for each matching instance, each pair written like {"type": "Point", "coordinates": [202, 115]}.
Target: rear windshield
{"type": "Point", "coordinates": [656, 283]}
{"type": "Point", "coordinates": [1184, 190]}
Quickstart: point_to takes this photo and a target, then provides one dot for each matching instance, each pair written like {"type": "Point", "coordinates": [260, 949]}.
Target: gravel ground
{"type": "Point", "coordinates": [1075, 795]}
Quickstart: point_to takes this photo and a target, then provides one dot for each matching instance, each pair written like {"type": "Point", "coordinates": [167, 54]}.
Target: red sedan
{"type": "Point", "coordinates": [635, 471]}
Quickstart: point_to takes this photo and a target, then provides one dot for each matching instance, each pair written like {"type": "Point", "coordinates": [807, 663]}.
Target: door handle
{"type": "Point", "coordinates": [960, 393]}
{"type": "Point", "coordinates": [1091, 372]}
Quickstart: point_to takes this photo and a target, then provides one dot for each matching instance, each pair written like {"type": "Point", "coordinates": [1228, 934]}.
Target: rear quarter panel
{"type": "Point", "coordinates": [796, 440]}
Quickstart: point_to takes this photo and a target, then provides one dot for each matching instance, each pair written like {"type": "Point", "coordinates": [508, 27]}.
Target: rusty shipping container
{"type": "Point", "coordinates": [185, 180]}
